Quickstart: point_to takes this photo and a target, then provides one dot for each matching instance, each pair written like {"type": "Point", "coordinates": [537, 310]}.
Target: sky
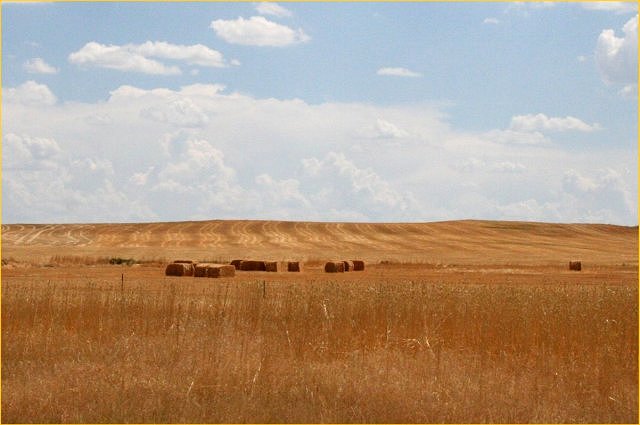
{"type": "Point", "coordinates": [377, 112]}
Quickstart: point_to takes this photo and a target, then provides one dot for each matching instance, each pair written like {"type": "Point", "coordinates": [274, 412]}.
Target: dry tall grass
{"type": "Point", "coordinates": [318, 351]}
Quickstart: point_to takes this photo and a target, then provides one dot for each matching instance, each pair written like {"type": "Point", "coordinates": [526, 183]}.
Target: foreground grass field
{"type": "Point", "coordinates": [423, 345]}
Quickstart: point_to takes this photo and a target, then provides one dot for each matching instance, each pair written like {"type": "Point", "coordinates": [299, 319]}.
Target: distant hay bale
{"type": "Point", "coordinates": [272, 266]}
{"type": "Point", "coordinates": [575, 265]}
{"type": "Point", "coordinates": [189, 266]}
{"type": "Point", "coordinates": [253, 266]}
{"type": "Point", "coordinates": [348, 266]}
{"type": "Point", "coordinates": [236, 264]}
{"type": "Point", "coordinates": [294, 266]}
{"type": "Point", "coordinates": [200, 270]}
{"type": "Point", "coordinates": [334, 267]}
{"type": "Point", "coordinates": [221, 270]}
{"type": "Point", "coordinates": [179, 269]}
{"type": "Point", "coordinates": [358, 265]}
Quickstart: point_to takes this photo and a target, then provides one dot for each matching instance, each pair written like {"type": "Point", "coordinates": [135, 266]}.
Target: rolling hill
{"type": "Point", "coordinates": [460, 242]}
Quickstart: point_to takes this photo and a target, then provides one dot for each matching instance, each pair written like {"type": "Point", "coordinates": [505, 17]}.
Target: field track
{"type": "Point", "coordinates": [465, 242]}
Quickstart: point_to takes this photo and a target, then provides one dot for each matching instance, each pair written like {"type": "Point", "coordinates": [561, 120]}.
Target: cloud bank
{"type": "Point", "coordinates": [201, 152]}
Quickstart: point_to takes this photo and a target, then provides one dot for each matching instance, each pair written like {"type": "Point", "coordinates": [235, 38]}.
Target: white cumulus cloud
{"type": "Point", "coordinates": [602, 192]}
{"type": "Point", "coordinates": [274, 9]}
{"type": "Point", "coordinates": [39, 66]}
{"type": "Point", "coordinates": [514, 137]}
{"type": "Point", "coordinates": [541, 122]}
{"type": "Point", "coordinates": [629, 91]}
{"type": "Point", "coordinates": [141, 178]}
{"type": "Point", "coordinates": [389, 130]}
{"type": "Point", "coordinates": [617, 57]}
{"type": "Point", "coordinates": [365, 182]}
{"type": "Point", "coordinates": [257, 31]}
{"type": "Point", "coordinates": [476, 165]}
{"type": "Point", "coordinates": [30, 93]}
{"type": "Point", "coordinates": [344, 186]}
{"type": "Point", "coordinates": [199, 183]}
{"type": "Point", "coordinates": [22, 151]}
{"type": "Point", "coordinates": [279, 192]}
{"type": "Point", "coordinates": [312, 166]}
{"type": "Point", "coordinates": [398, 72]}
{"type": "Point", "coordinates": [119, 58]}
{"type": "Point", "coordinates": [178, 112]}
{"type": "Point", "coordinates": [383, 129]}
{"type": "Point", "coordinates": [617, 7]}
{"type": "Point", "coordinates": [138, 57]}
{"type": "Point", "coordinates": [196, 54]}
{"type": "Point", "coordinates": [508, 167]}
{"type": "Point", "coordinates": [523, 7]}
{"type": "Point", "coordinates": [43, 179]}
{"type": "Point", "coordinates": [200, 164]}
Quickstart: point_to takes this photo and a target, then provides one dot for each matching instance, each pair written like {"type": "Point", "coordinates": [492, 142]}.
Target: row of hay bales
{"type": "Point", "coordinates": [267, 266]}
{"type": "Point", "coordinates": [344, 266]}
{"type": "Point", "coordinates": [192, 268]}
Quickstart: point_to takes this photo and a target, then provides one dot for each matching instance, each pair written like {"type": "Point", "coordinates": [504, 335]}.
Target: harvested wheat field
{"type": "Point", "coordinates": [454, 322]}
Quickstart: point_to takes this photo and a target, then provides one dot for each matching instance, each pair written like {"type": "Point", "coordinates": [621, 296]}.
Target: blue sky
{"type": "Point", "coordinates": [319, 111]}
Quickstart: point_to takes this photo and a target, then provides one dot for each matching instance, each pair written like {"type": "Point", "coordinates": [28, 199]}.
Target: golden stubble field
{"type": "Point", "coordinates": [456, 322]}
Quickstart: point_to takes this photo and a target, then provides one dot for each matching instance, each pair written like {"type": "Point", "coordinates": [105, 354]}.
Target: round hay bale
{"type": "Point", "coordinates": [294, 266]}
{"type": "Point", "coordinates": [575, 265]}
{"type": "Point", "coordinates": [221, 270]}
{"type": "Point", "coordinates": [236, 264]}
{"type": "Point", "coordinates": [348, 266]}
{"type": "Point", "coordinates": [334, 267]}
{"type": "Point", "coordinates": [253, 266]}
{"type": "Point", "coordinates": [358, 265]}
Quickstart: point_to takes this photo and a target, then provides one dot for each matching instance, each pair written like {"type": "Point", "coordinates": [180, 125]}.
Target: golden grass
{"type": "Point", "coordinates": [468, 321]}
{"type": "Point", "coordinates": [182, 350]}
{"type": "Point", "coordinates": [60, 260]}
